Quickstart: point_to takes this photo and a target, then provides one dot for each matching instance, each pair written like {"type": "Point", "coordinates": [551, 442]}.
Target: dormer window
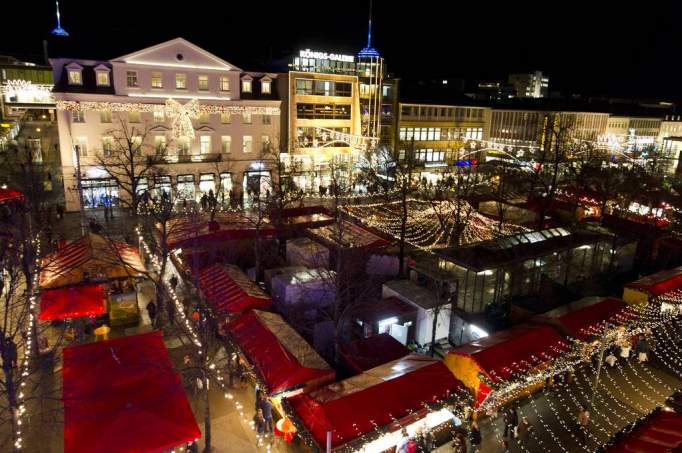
{"type": "Point", "coordinates": [265, 86]}
{"type": "Point", "coordinates": [247, 85]}
{"type": "Point", "coordinates": [74, 72]}
{"type": "Point", "coordinates": [102, 76]}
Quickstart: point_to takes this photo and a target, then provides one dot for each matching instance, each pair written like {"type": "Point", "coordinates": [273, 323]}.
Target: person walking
{"type": "Point", "coordinates": [511, 419]}
{"type": "Point", "coordinates": [625, 348]}
{"type": "Point", "coordinates": [173, 282]}
{"type": "Point", "coordinates": [259, 421]}
{"type": "Point", "coordinates": [474, 437]}
{"type": "Point", "coordinates": [151, 310]}
{"type": "Point", "coordinates": [642, 349]}
{"type": "Point", "coordinates": [524, 430]}
{"type": "Point", "coordinates": [583, 423]}
{"type": "Point", "coordinates": [266, 407]}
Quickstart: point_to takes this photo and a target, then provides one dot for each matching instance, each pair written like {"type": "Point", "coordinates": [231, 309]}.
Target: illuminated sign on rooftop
{"type": "Point", "coordinates": [307, 53]}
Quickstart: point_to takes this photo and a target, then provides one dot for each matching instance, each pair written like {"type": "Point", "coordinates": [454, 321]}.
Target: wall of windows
{"type": "Point", "coordinates": [440, 133]}
{"type": "Point", "coordinates": [311, 137]}
{"type": "Point", "coordinates": [323, 87]}
{"type": "Point", "coordinates": [99, 192]}
{"type": "Point", "coordinates": [429, 155]}
{"type": "Point", "coordinates": [323, 111]}
{"type": "Point", "coordinates": [185, 188]}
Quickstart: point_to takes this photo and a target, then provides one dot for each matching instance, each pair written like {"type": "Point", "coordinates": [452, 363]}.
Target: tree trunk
{"type": "Point", "coordinates": [11, 400]}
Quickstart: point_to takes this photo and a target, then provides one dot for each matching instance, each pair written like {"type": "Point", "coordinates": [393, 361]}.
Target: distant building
{"type": "Point", "coordinates": [494, 91]}
{"type": "Point", "coordinates": [25, 86]}
{"type": "Point", "coordinates": [530, 85]}
{"type": "Point", "coordinates": [632, 133]}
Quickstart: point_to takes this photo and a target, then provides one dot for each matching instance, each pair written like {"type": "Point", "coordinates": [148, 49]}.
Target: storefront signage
{"type": "Point", "coordinates": [307, 53]}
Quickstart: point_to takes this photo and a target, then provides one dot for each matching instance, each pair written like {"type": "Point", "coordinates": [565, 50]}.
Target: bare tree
{"type": "Point", "coordinates": [127, 158]}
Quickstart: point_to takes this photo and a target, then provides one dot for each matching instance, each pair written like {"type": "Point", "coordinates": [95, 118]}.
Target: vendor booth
{"type": "Point", "coordinates": [661, 432]}
{"type": "Point", "coordinates": [229, 291]}
{"type": "Point", "coordinates": [505, 357]}
{"type": "Point", "coordinates": [90, 271]}
{"type": "Point", "coordinates": [123, 395]}
{"type": "Point", "coordinates": [282, 360]}
{"type": "Point", "coordinates": [367, 353]}
{"type": "Point", "coordinates": [644, 290]}
{"type": "Point", "coordinates": [366, 412]}
{"type": "Point", "coordinates": [584, 319]}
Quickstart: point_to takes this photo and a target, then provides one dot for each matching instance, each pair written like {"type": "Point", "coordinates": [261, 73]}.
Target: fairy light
{"type": "Point", "coordinates": [86, 106]}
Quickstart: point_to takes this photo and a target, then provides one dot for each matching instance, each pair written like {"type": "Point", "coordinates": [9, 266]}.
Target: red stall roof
{"type": "Point", "coordinates": [184, 231]}
{"type": "Point", "coordinates": [351, 236]}
{"type": "Point", "coordinates": [367, 353]}
{"type": "Point", "coordinates": [72, 302]}
{"type": "Point", "coordinates": [229, 290]}
{"type": "Point", "coordinates": [376, 398]}
{"type": "Point", "coordinates": [659, 283]}
{"type": "Point", "coordinates": [514, 351]}
{"type": "Point", "coordinates": [123, 395]}
{"type": "Point", "coordinates": [662, 432]}
{"type": "Point", "coordinates": [11, 195]}
{"type": "Point", "coordinates": [281, 357]}
{"type": "Point", "coordinates": [584, 318]}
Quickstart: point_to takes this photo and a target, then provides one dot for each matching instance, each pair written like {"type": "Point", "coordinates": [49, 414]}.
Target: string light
{"type": "Point", "coordinates": [87, 106]}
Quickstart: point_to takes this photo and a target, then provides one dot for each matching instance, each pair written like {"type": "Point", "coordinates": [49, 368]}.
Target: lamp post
{"type": "Point", "coordinates": [602, 348]}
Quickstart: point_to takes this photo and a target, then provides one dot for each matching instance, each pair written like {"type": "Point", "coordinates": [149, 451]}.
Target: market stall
{"type": "Point", "coordinates": [77, 277]}
{"type": "Point", "coordinates": [123, 395]}
{"type": "Point", "coordinates": [506, 357]}
{"type": "Point", "coordinates": [282, 360]}
{"type": "Point", "coordinates": [584, 319]}
{"type": "Point", "coordinates": [644, 290]}
{"type": "Point", "coordinates": [229, 291]}
{"type": "Point", "coordinates": [661, 432]}
{"type": "Point", "coordinates": [367, 353]}
{"type": "Point", "coordinates": [366, 412]}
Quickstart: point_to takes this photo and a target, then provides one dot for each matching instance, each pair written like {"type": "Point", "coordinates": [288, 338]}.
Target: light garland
{"type": "Point", "coordinates": [105, 106]}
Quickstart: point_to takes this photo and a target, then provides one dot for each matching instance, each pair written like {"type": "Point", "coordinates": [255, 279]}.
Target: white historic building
{"type": "Point", "coordinates": [205, 121]}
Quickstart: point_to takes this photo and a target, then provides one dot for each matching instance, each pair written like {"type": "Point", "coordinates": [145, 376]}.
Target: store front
{"type": "Point", "coordinates": [162, 186]}
{"type": "Point", "coordinates": [257, 182]}
{"type": "Point", "coordinates": [207, 184]}
{"type": "Point", "coordinates": [100, 192]}
{"type": "Point", "coordinates": [185, 188]}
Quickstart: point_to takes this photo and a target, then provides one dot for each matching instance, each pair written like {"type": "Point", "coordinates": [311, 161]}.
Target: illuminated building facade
{"type": "Point", "coordinates": [25, 86]}
{"type": "Point", "coordinates": [207, 124]}
{"type": "Point", "coordinates": [530, 85]}
{"type": "Point", "coordinates": [441, 136]}
{"type": "Point", "coordinates": [632, 133]}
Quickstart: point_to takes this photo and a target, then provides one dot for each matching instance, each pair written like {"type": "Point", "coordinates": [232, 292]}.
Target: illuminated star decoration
{"type": "Point", "coordinates": [181, 117]}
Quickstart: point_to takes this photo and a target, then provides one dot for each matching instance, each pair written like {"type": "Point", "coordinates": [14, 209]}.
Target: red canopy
{"type": "Point", "coordinates": [283, 360]}
{"type": "Point", "coordinates": [349, 412]}
{"type": "Point", "coordinates": [662, 432]}
{"type": "Point", "coordinates": [367, 353]}
{"type": "Point", "coordinates": [188, 231]}
{"type": "Point", "coordinates": [587, 321]}
{"type": "Point", "coordinates": [72, 302]}
{"type": "Point", "coordinates": [229, 290]}
{"type": "Point", "coordinates": [11, 195]}
{"type": "Point", "coordinates": [514, 351]}
{"type": "Point", "coordinates": [123, 395]}
{"type": "Point", "coordinates": [659, 283]}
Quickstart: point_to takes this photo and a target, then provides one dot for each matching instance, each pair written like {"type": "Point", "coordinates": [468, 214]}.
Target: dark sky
{"type": "Point", "coordinates": [595, 47]}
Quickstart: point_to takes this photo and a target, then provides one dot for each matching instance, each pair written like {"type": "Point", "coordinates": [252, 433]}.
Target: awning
{"type": "Point", "coordinates": [588, 321]}
{"type": "Point", "coordinates": [90, 258]}
{"type": "Point", "coordinates": [659, 283]}
{"type": "Point", "coordinates": [348, 235]}
{"type": "Point", "coordinates": [72, 302]}
{"type": "Point", "coordinates": [660, 432]}
{"type": "Point", "coordinates": [379, 397]}
{"type": "Point", "coordinates": [282, 359]}
{"type": "Point", "coordinates": [189, 231]}
{"type": "Point", "coordinates": [367, 353]}
{"type": "Point", "coordinates": [7, 195]}
{"type": "Point", "coordinates": [123, 395]}
{"type": "Point", "coordinates": [512, 352]}
{"type": "Point", "coordinates": [230, 291]}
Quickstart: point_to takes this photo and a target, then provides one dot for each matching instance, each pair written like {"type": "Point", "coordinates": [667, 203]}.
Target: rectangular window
{"type": "Point", "coordinates": [159, 116]}
{"type": "Point", "coordinates": [75, 78]}
{"type": "Point", "coordinates": [131, 79]}
{"type": "Point", "coordinates": [185, 188]}
{"type": "Point", "coordinates": [81, 144]}
{"type": "Point", "coordinates": [181, 81]}
{"type": "Point", "coordinates": [225, 118]}
{"type": "Point", "coordinates": [157, 80]}
{"type": "Point", "coordinates": [204, 118]}
{"type": "Point", "coordinates": [246, 117]}
{"type": "Point", "coordinates": [265, 87]}
{"type": "Point", "coordinates": [159, 143]}
{"type": "Point", "coordinates": [102, 79]}
{"type": "Point", "coordinates": [202, 82]}
{"type": "Point", "coordinates": [247, 144]}
{"type": "Point", "coordinates": [224, 84]}
{"type": "Point", "coordinates": [267, 119]}
{"type": "Point", "coordinates": [107, 145]}
{"type": "Point", "coordinates": [304, 86]}
{"type": "Point", "coordinates": [137, 145]}
{"type": "Point", "coordinates": [134, 117]}
{"type": "Point", "coordinates": [105, 116]}
{"type": "Point", "coordinates": [204, 144]}
{"type": "Point", "coordinates": [265, 141]}
{"type": "Point", "coordinates": [77, 116]}
{"type": "Point", "coordinates": [226, 143]}
{"type": "Point", "coordinates": [246, 86]}
{"type": "Point", "coordinates": [226, 183]}
{"type": "Point", "coordinates": [183, 146]}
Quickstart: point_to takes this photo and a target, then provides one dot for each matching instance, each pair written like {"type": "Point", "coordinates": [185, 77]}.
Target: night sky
{"type": "Point", "coordinates": [602, 48]}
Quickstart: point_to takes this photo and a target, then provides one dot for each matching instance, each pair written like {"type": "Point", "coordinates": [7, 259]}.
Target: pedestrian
{"type": "Point", "coordinates": [173, 282]}
{"type": "Point", "coordinates": [611, 359]}
{"type": "Point", "coordinates": [474, 437]}
{"type": "Point", "coordinates": [259, 421]}
{"type": "Point", "coordinates": [511, 419]}
{"type": "Point", "coordinates": [60, 211]}
{"type": "Point", "coordinates": [642, 349]}
{"type": "Point", "coordinates": [583, 423]}
{"type": "Point", "coordinates": [204, 201]}
{"type": "Point", "coordinates": [524, 430]}
{"type": "Point", "coordinates": [625, 348]}
{"type": "Point", "coordinates": [151, 310]}
{"type": "Point", "coordinates": [266, 407]}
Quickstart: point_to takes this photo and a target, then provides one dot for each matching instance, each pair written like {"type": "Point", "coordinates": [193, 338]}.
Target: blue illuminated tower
{"type": "Point", "coordinates": [58, 30]}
